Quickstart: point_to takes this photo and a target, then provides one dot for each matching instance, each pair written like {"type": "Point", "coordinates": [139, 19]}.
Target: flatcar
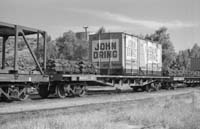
{"type": "Point", "coordinates": [13, 84]}
{"type": "Point", "coordinates": [115, 59]}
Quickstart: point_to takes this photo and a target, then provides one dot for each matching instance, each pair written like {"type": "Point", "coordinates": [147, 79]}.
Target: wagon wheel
{"type": "Point", "coordinates": [60, 91]}
{"type": "Point", "coordinates": [168, 86]}
{"type": "Point", "coordinates": [173, 86]}
{"type": "Point", "coordinates": [43, 91]}
{"type": "Point", "coordinates": [2, 96]}
{"type": "Point", "coordinates": [135, 89]}
{"type": "Point", "coordinates": [148, 88]}
{"type": "Point", "coordinates": [188, 85]}
{"type": "Point", "coordinates": [80, 90]}
{"type": "Point", "coordinates": [23, 96]}
{"type": "Point", "coordinates": [157, 86]}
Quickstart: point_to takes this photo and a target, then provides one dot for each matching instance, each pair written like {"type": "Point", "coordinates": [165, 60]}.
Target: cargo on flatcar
{"type": "Point", "coordinates": [119, 53]}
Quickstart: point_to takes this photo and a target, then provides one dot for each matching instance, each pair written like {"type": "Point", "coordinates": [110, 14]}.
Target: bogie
{"type": "Point", "coordinates": [77, 90]}
{"type": "Point", "coordinates": [60, 91]}
{"type": "Point", "coordinates": [14, 92]}
{"type": "Point", "coordinates": [63, 90]}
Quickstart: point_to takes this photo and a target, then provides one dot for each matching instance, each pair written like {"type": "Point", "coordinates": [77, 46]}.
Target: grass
{"type": "Point", "coordinates": [166, 113]}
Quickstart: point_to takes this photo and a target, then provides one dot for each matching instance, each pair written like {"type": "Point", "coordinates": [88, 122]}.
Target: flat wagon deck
{"type": "Point", "coordinates": [76, 83]}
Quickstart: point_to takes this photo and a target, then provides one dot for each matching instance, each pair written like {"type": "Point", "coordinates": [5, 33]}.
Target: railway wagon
{"type": "Point", "coordinates": [14, 84]}
{"type": "Point", "coordinates": [122, 59]}
{"type": "Point", "coordinates": [119, 53]}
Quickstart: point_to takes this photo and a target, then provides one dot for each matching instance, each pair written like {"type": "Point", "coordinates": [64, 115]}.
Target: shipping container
{"type": "Point", "coordinates": [119, 53]}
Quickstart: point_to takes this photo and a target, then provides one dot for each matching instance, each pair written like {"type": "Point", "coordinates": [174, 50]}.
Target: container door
{"type": "Point", "coordinates": [159, 58]}
{"type": "Point", "coordinates": [142, 67]}
{"type": "Point", "coordinates": [154, 58]}
{"type": "Point", "coordinates": [131, 55]}
{"type": "Point", "coordinates": [150, 58]}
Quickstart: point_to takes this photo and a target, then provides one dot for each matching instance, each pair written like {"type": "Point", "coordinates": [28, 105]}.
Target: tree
{"type": "Point", "coordinates": [195, 51]}
{"type": "Point", "coordinates": [80, 53]}
{"type": "Point", "coordinates": [101, 30]}
{"type": "Point", "coordinates": [48, 38]}
{"type": "Point", "coordinates": [183, 57]}
{"type": "Point", "coordinates": [183, 60]}
{"type": "Point", "coordinates": [168, 53]}
{"type": "Point", "coordinates": [66, 45]}
{"type": "Point", "coordinates": [69, 47]}
{"type": "Point", "coordinates": [21, 44]}
{"type": "Point", "coordinates": [51, 49]}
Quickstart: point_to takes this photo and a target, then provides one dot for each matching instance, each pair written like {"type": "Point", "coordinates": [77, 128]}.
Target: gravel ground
{"type": "Point", "coordinates": [55, 103]}
{"type": "Point", "coordinates": [176, 109]}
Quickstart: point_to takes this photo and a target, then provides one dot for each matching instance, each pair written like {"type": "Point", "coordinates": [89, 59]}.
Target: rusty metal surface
{"type": "Point", "coordinates": [7, 29]}
{"type": "Point", "coordinates": [23, 78]}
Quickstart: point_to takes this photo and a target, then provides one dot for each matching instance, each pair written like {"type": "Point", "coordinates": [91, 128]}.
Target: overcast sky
{"type": "Point", "coordinates": [181, 17]}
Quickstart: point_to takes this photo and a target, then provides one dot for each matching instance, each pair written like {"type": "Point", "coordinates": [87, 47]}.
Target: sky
{"type": "Point", "coordinates": [181, 17]}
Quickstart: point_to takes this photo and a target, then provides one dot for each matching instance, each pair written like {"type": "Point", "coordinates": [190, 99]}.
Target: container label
{"type": "Point", "coordinates": [105, 50]}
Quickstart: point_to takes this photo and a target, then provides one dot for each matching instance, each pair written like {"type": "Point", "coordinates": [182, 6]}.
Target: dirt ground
{"type": "Point", "coordinates": [55, 103]}
{"type": "Point", "coordinates": [178, 109]}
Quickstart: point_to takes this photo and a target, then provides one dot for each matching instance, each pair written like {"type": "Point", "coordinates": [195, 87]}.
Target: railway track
{"type": "Point", "coordinates": [52, 103]}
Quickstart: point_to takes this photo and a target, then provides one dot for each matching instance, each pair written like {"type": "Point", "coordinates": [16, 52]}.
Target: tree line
{"type": "Point", "coordinates": [69, 47]}
{"type": "Point", "coordinates": [170, 59]}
